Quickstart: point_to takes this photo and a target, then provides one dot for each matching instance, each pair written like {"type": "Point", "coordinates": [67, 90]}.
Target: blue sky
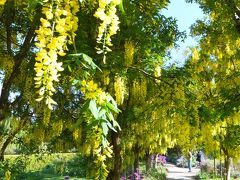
{"type": "Point", "coordinates": [186, 14]}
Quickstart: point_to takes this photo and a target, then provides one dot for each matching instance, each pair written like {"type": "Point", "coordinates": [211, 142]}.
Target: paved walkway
{"type": "Point", "coordinates": [179, 173]}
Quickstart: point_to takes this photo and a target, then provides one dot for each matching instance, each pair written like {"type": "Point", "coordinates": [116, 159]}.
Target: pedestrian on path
{"type": "Point", "coordinates": [189, 161]}
{"type": "Point", "coordinates": [199, 157]}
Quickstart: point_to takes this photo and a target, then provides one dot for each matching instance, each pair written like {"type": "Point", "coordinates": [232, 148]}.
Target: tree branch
{"type": "Point", "coordinates": [149, 75]}
{"type": "Point", "coordinates": [11, 137]}
{"type": "Point", "coordinates": [5, 39]}
{"type": "Point", "coordinates": [18, 59]}
{"type": "Point", "coordinates": [9, 13]}
{"type": "Point", "coordinates": [235, 11]}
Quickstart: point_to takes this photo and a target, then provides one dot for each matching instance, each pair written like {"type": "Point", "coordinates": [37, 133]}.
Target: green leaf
{"type": "Point", "coordinates": [115, 124]}
{"type": "Point", "coordinates": [87, 59]}
{"type": "Point", "coordinates": [110, 99]}
{"type": "Point", "coordinates": [121, 8]}
{"type": "Point", "coordinates": [105, 128]}
{"type": "Point", "coordinates": [90, 62]}
{"type": "Point", "coordinates": [111, 127]}
{"type": "Point", "coordinates": [69, 68]}
{"type": "Point", "coordinates": [104, 141]}
{"type": "Point", "coordinates": [78, 61]}
{"type": "Point", "coordinates": [102, 113]}
{"type": "Point", "coordinates": [75, 81]}
{"type": "Point", "coordinates": [93, 108]}
{"type": "Point", "coordinates": [84, 65]}
{"type": "Point", "coordinates": [110, 116]}
{"type": "Point", "coordinates": [112, 107]}
{"type": "Point", "coordinates": [93, 124]}
{"type": "Point", "coordinates": [77, 54]}
{"type": "Point", "coordinates": [85, 106]}
{"type": "Point", "coordinates": [103, 120]}
{"type": "Point", "coordinates": [77, 124]}
{"type": "Point", "coordinates": [33, 3]}
{"type": "Point", "coordinates": [104, 59]}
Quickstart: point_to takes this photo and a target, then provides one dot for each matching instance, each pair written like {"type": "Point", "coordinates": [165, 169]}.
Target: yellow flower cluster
{"type": "Point", "coordinates": [56, 30]}
{"type": "Point", "coordinates": [109, 26]}
{"type": "Point", "coordinates": [96, 142]}
{"type": "Point", "coordinates": [57, 127]}
{"type": "Point", "coordinates": [91, 91]}
{"type": "Point", "coordinates": [39, 134]}
{"type": "Point", "coordinates": [7, 64]}
{"type": "Point", "coordinates": [59, 147]}
{"type": "Point", "coordinates": [195, 54]}
{"type": "Point", "coordinates": [129, 52]}
{"type": "Point", "coordinates": [139, 90]}
{"type": "Point", "coordinates": [28, 93]}
{"type": "Point", "coordinates": [105, 77]}
{"type": "Point", "coordinates": [101, 154]}
{"type": "Point", "coordinates": [77, 134]}
{"type": "Point", "coordinates": [2, 2]}
{"type": "Point", "coordinates": [157, 71]}
{"type": "Point", "coordinates": [7, 175]}
{"type": "Point", "coordinates": [46, 116]}
{"type": "Point", "coordinates": [119, 88]}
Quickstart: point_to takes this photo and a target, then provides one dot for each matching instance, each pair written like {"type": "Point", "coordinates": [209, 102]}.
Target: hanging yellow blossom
{"type": "Point", "coordinates": [139, 90]}
{"type": "Point", "coordinates": [129, 52]}
{"type": "Point", "coordinates": [92, 91]}
{"type": "Point", "coordinates": [119, 88]}
{"type": "Point", "coordinates": [2, 2]}
{"type": "Point", "coordinates": [56, 30]}
{"type": "Point", "coordinates": [109, 25]}
{"type": "Point", "coordinates": [7, 175]}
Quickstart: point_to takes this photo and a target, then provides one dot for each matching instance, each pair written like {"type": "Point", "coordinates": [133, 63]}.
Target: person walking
{"type": "Point", "coordinates": [189, 161]}
{"type": "Point", "coordinates": [199, 158]}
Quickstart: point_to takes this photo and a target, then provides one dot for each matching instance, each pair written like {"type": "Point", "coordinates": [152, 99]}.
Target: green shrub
{"type": "Point", "coordinates": [77, 167]}
{"type": "Point", "coordinates": [17, 167]}
{"type": "Point", "coordinates": [156, 173]}
{"type": "Point", "coordinates": [37, 166]}
{"type": "Point", "coordinates": [203, 175]}
{"type": "Point", "coordinates": [207, 167]}
{"type": "Point", "coordinates": [207, 175]}
{"type": "Point", "coordinates": [2, 170]}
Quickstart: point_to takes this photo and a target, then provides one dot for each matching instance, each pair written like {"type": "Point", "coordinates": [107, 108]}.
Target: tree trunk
{"type": "Point", "coordinates": [136, 157]}
{"type": "Point", "coordinates": [116, 171]}
{"type": "Point", "coordinates": [227, 163]}
{"type": "Point", "coordinates": [1, 156]}
{"type": "Point", "coordinates": [148, 161]}
{"type": "Point", "coordinates": [220, 163]}
{"type": "Point", "coordinates": [214, 165]}
{"type": "Point", "coordinates": [5, 145]}
{"type": "Point", "coordinates": [10, 138]}
{"type": "Point", "coordinates": [227, 167]}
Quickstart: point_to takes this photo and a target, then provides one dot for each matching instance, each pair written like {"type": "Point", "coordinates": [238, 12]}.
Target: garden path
{"type": "Point", "coordinates": [179, 173]}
